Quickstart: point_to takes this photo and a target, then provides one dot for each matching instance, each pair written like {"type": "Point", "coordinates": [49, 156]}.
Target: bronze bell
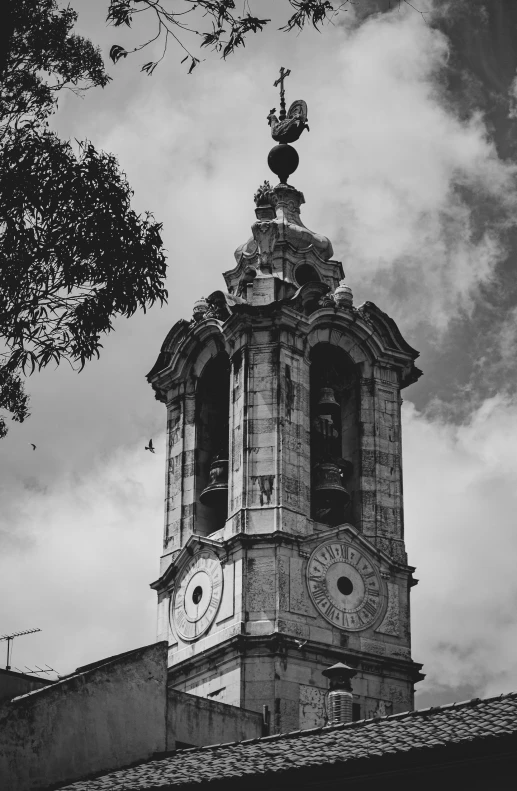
{"type": "Point", "coordinates": [327, 400]}
{"type": "Point", "coordinates": [215, 495]}
{"type": "Point", "coordinates": [328, 483]}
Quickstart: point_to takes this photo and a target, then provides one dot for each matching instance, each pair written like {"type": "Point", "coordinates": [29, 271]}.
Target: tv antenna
{"type": "Point", "coordinates": [28, 671]}
{"type": "Point", "coordinates": [10, 638]}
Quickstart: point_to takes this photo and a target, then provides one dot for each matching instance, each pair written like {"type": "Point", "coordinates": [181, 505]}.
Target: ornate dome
{"type": "Point", "coordinates": [282, 246]}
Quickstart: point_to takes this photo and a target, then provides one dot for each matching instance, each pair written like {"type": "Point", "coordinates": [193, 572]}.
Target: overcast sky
{"type": "Point", "coordinates": [410, 169]}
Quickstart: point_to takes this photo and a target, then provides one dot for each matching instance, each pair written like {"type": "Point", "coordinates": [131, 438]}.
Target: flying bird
{"type": "Point", "coordinates": [33, 445]}
{"type": "Point", "coordinates": [150, 446]}
{"type": "Point", "coordinates": [300, 644]}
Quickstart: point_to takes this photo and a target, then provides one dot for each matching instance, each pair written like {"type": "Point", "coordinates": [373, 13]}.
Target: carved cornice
{"type": "Point", "coordinates": [280, 644]}
{"type": "Point", "coordinates": [181, 348]}
{"type": "Point", "coordinates": [195, 543]}
{"type": "Point", "coordinates": [374, 333]}
{"type": "Point", "coordinates": [303, 544]}
{"type": "Point", "coordinates": [175, 335]}
{"type": "Point", "coordinates": [371, 335]}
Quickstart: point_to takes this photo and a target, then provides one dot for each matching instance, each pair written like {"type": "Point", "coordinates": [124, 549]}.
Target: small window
{"type": "Point", "coordinates": [356, 712]}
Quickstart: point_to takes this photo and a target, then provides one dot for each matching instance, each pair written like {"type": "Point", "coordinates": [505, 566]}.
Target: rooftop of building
{"type": "Point", "coordinates": [481, 725]}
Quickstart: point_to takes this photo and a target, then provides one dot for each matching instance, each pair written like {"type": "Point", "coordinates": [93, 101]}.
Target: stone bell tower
{"type": "Point", "coordinates": [284, 538]}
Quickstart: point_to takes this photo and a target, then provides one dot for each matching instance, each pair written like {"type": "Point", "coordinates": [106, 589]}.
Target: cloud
{"type": "Point", "coordinates": [512, 96]}
{"type": "Point", "coordinates": [414, 196]}
{"type": "Point", "coordinates": [81, 553]}
{"type": "Point", "coordinates": [460, 486]}
{"type": "Point", "coordinates": [420, 200]}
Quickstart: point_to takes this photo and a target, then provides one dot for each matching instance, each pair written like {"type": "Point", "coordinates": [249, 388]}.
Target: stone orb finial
{"type": "Point", "coordinates": [200, 308]}
{"type": "Point", "coordinates": [343, 296]}
{"type": "Point", "coordinates": [283, 160]}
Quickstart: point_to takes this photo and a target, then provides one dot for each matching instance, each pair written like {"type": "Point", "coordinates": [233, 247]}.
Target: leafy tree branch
{"type": "Point", "coordinates": [73, 253]}
{"type": "Point", "coordinates": [222, 25]}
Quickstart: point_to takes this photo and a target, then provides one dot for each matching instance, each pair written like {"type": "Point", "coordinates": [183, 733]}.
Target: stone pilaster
{"type": "Point", "coordinates": [380, 514]}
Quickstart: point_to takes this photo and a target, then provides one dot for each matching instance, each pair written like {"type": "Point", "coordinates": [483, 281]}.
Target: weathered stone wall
{"type": "Point", "coordinates": [195, 720]}
{"type": "Point", "coordinates": [180, 476]}
{"type": "Point", "coordinates": [96, 720]}
{"type": "Point", "coordinates": [173, 478]}
{"type": "Point", "coordinates": [269, 437]}
{"type": "Point", "coordinates": [269, 499]}
{"type": "Point", "coordinates": [380, 515]}
{"type": "Point", "coordinates": [13, 684]}
{"type": "Point", "coordinates": [294, 439]}
{"type": "Point", "coordinates": [238, 436]}
{"type": "Point", "coordinates": [270, 586]}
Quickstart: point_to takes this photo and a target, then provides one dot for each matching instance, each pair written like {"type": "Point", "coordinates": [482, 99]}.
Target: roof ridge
{"type": "Point", "coordinates": [482, 722]}
{"type": "Point", "coordinates": [357, 723]}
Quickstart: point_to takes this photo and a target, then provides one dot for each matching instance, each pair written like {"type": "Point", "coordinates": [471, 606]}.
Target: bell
{"type": "Point", "coordinates": [328, 483]}
{"type": "Point", "coordinates": [327, 400]}
{"type": "Point", "coordinates": [215, 495]}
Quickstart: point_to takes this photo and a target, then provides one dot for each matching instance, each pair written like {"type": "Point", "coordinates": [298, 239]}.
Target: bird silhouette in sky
{"type": "Point", "coordinates": [150, 446]}
{"type": "Point", "coordinates": [33, 445]}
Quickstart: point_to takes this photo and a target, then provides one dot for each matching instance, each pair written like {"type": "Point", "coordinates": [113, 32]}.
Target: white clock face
{"type": "Point", "coordinates": [344, 585]}
{"type": "Point", "coordinates": [198, 594]}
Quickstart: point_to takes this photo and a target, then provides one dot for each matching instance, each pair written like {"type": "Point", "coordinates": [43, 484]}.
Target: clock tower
{"type": "Point", "coordinates": [284, 536]}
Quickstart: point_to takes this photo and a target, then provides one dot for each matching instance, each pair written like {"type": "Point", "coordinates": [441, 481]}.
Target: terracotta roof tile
{"type": "Point", "coordinates": [426, 729]}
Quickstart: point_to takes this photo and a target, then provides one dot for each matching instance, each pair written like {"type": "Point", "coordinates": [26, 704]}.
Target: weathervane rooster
{"type": "Point", "coordinates": [288, 126]}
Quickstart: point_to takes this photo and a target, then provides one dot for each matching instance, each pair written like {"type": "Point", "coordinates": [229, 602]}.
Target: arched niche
{"type": "Point", "coordinates": [334, 413]}
{"type": "Point", "coordinates": [212, 434]}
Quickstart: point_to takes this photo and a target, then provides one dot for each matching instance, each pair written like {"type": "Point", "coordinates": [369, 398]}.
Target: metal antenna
{"type": "Point", "coordinates": [10, 638]}
{"type": "Point", "coordinates": [28, 670]}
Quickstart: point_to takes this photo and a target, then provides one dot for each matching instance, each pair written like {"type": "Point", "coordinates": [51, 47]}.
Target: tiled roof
{"type": "Point", "coordinates": [423, 730]}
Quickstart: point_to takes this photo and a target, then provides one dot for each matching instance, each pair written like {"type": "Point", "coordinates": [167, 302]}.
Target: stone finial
{"type": "Point", "coordinates": [343, 296]}
{"type": "Point", "coordinates": [264, 207]}
{"type": "Point", "coordinates": [200, 308]}
{"type": "Point", "coordinates": [283, 160]}
{"type": "Point", "coordinates": [263, 195]}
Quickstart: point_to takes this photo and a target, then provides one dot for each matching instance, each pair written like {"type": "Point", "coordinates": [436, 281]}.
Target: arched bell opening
{"type": "Point", "coordinates": [212, 417]}
{"type": "Point", "coordinates": [334, 434]}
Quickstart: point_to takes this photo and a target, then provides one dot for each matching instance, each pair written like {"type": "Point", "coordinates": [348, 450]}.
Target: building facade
{"type": "Point", "coordinates": [284, 534]}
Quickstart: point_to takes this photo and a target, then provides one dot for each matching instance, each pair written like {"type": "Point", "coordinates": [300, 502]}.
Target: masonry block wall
{"type": "Point", "coordinates": [257, 636]}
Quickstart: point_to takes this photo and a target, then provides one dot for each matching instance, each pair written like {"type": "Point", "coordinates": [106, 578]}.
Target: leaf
{"type": "Point", "coordinates": [117, 52]}
{"type": "Point", "coordinates": [193, 65]}
{"type": "Point", "coordinates": [120, 13]}
{"type": "Point", "coordinates": [149, 67]}
{"type": "Point", "coordinates": [84, 258]}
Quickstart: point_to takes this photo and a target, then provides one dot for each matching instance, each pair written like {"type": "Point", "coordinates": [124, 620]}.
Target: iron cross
{"type": "Point", "coordinates": [283, 74]}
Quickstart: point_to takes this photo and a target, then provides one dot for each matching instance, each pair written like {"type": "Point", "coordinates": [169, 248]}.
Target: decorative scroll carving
{"type": "Point", "coordinates": [391, 622]}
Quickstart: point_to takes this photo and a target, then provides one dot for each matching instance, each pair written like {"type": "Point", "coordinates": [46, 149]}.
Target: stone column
{"type": "Point", "coordinates": [179, 503]}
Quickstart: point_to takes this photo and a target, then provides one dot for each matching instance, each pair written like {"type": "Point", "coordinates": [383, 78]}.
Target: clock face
{"type": "Point", "coordinates": [344, 585]}
{"type": "Point", "coordinates": [198, 595]}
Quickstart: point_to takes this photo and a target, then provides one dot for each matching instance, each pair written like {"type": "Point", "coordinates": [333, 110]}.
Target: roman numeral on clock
{"type": "Point", "coordinates": [320, 594]}
{"type": "Point", "coordinates": [368, 610]}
